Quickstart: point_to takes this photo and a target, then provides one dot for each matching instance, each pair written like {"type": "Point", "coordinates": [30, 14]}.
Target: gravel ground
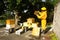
{"type": "Point", "coordinates": [13, 36]}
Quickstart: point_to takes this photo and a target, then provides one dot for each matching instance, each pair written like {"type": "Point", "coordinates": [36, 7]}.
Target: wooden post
{"type": "Point", "coordinates": [16, 18]}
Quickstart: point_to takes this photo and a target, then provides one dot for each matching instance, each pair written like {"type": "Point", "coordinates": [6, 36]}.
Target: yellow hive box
{"type": "Point", "coordinates": [10, 22]}
{"type": "Point", "coordinates": [36, 30]}
{"type": "Point", "coordinates": [30, 20]}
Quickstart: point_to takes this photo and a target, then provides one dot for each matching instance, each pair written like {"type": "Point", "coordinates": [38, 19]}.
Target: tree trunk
{"type": "Point", "coordinates": [56, 21]}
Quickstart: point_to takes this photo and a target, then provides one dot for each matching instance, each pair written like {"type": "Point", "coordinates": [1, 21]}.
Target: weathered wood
{"type": "Point", "coordinates": [16, 18]}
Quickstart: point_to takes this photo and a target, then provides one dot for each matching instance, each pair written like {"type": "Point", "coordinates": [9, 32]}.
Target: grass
{"type": "Point", "coordinates": [2, 21]}
{"type": "Point", "coordinates": [53, 36]}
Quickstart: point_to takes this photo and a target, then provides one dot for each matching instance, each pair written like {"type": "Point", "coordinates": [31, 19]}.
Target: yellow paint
{"type": "Point", "coordinates": [42, 16]}
{"type": "Point", "coordinates": [43, 24]}
{"type": "Point", "coordinates": [43, 8]}
{"type": "Point", "coordinates": [7, 21]}
{"type": "Point", "coordinates": [36, 30]}
{"type": "Point", "coordinates": [11, 23]}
